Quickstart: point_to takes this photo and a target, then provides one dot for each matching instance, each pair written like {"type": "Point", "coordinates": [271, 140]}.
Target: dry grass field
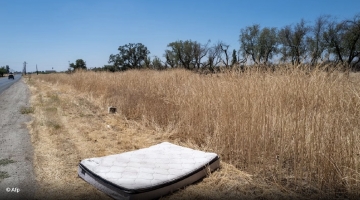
{"type": "Point", "coordinates": [287, 133]}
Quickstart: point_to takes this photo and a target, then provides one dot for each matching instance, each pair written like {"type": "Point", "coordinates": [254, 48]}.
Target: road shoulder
{"type": "Point", "coordinates": [15, 144]}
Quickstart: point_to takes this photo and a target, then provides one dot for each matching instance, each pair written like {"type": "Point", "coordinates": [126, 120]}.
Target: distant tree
{"type": "Point", "coordinates": [71, 67]}
{"type": "Point", "coordinates": [351, 41]}
{"type": "Point", "coordinates": [79, 64]}
{"type": "Point", "coordinates": [259, 44]}
{"type": "Point", "coordinates": [214, 56]}
{"type": "Point", "coordinates": [157, 64]}
{"type": "Point", "coordinates": [188, 54]}
{"type": "Point", "coordinates": [130, 56]}
{"type": "Point", "coordinates": [224, 49]}
{"type": "Point", "coordinates": [2, 71]}
{"type": "Point", "coordinates": [334, 36]}
{"type": "Point", "coordinates": [171, 58]}
{"type": "Point", "coordinates": [268, 43]}
{"type": "Point", "coordinates": [7, 69]}
{"type": "Point", "coordinates": [147, 62]}
{"type": "Point", "coordinates": [181, 52]}
{"type": "Point", "coordinates": [200, 52]}
{"type": "Point", "coordinates": [110, 68]}
{"type": "Point", "coordinates": [249, 42]}
{"type": "Point", "coordinates": [315, 42]}
{"type": "Point", "coordinates": [293, 42]}
{"type": "Point", "coordinates": [234, 59]}
{"type": "Point", "coordinates": [194, 55]}
{"type": "Point", "coordinates": [97, 69]}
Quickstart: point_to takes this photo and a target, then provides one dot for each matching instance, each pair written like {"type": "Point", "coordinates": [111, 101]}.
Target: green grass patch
{"type": "Point", "coordinates": [6, 161]}
{"type": "Point", "coordinates": [4, 175]}
{"type": "Point", "coordinates": [27, 110]}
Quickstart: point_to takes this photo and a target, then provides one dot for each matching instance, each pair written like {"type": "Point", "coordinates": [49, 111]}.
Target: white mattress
{"type": "Point", "coordinates": [147, 173]}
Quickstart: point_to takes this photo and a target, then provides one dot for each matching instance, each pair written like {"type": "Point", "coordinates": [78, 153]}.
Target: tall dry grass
{"type": "Point", "coordinates": [296, 128]}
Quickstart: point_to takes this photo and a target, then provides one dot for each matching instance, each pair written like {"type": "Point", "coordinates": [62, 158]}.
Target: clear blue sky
{"type": "Point", "coordinates": [50, 33]}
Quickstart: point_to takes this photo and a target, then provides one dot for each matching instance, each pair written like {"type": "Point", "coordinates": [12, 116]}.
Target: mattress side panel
{"type": "Point", "coordinates": [108, 189]}
{"type": "Point", "coordinates": [166, 190]}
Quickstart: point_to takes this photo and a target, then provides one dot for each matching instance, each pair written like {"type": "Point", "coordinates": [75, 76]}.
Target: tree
{"type": "Point", "coordinates": [259, 44]}
{"type": "Point", "coordinates": [171, 58]}
{"type": "Point", "coordinates": [249, 42]}
{"type": "Point", "coordinates": [7, 69]}
{"type": "Point", "coordinates": [292, 40]}
{"type": "Point", "coordinates": [200, 52]}
{"type": "Point", "coordinates": [214, 56]}
{"type": "Point", "coordinates": [351, 41]}
{"type": "Point", "coordinates": [337, 41]}
{"type": "Point", "coordinates": [267, 44]}
{"type": "Point", "coordinates": [189, 54]}
{"type": "Point", "coordinates": [157, 64]}
{"type": "Point", "coordinates": [130, 56]}
{"type": "Point", "coordinates": [110, 68]}
{"type": "Point", "coordinates": [147, 62]}
{"type": "Point", "coordinates": [234, 59]}
{"type": "Point", "coordinates": [2, 71]}
{"type": "Point", "coordinates": [182, 52]}
{"type": "Point", "coordinates": [79, 64]}
{"type": "Point", "coordinates": [224, 49]}
{"type": "Point", "coordinates": [315, 42]}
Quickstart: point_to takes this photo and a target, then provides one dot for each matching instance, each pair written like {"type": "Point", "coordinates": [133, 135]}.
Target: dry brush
{"type": "Point", "coordinates": [297, 128]}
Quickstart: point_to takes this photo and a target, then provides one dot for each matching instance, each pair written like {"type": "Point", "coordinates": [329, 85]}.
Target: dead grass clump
{"type": "Point", "coordinates": [295, 128]}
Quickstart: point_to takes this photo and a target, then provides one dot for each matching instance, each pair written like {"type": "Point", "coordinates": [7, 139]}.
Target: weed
{"type": "Point", "coordinates": [6, 161]}
{"type": "Point", "coordinates": [27, 110]}
{"type": "Point", "coordinates": [3, 175]}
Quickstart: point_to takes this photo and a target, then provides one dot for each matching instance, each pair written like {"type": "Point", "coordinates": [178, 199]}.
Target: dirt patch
{"type": "Point", "coordinates": [17, 180]}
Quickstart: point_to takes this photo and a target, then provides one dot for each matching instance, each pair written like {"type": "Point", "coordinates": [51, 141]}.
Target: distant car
{"type": "Point", "coordinates": [11, 76]}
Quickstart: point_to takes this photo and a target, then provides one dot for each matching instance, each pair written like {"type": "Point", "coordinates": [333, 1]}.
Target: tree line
{"type": "Point", "coordinates": [326, 40]}
{"type": "Point", "coordinates": [4, 70]}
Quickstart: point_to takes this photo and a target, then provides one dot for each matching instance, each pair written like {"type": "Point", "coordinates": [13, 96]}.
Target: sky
{"type": "Point", "coordinates": [51, 33]}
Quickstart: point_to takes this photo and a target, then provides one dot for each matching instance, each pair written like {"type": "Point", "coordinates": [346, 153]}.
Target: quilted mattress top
{"type": "Point", "coordinates": [148, 167]}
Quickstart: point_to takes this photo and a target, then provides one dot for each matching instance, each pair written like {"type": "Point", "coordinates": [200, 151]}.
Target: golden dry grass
{"type": "Point", "coordinates": [296, 132]}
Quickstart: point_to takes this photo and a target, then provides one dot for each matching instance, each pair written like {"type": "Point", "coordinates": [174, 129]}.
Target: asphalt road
{"type": "Point", "coordinates": [15, 142]}
{"type": "Point", "coordinates": [5, 83]}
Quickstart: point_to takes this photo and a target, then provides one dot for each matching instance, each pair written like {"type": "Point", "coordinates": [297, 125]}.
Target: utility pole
{"type": "Point", "coordinates": [37, 72]}
{"type": "Point", "coordinates": [24, 69]}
